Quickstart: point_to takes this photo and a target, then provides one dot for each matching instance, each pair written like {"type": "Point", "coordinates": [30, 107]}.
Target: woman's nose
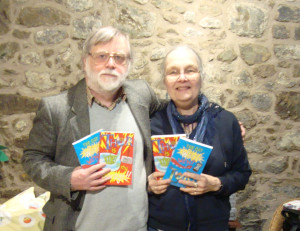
{"type": "Point", "coordinates": [182, 77]}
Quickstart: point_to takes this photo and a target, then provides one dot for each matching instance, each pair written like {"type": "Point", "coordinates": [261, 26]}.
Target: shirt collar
{"type": "Point", "coordinates": [121, 96]}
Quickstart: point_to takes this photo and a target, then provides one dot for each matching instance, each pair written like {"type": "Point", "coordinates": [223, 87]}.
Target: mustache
{"type": "Point", "coordinates": [108, 72]}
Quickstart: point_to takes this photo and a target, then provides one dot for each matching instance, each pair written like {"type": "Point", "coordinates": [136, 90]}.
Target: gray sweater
{"type": "Point", "coordinates": [128, 205]}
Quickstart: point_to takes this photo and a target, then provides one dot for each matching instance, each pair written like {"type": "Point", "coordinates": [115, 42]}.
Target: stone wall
{"type": "Point", "coordinates": [251, 54]}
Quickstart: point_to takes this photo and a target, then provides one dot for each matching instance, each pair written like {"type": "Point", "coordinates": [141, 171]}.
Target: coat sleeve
{"type": "Point", "coordinates": [237, 166]}
{"type": "Point", "coordinates": [156, 104]}
{"type": "Point", "coordinates": [39, 157]}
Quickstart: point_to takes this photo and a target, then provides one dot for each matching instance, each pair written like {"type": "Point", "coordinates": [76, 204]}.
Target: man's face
{"type": "Point", "coordinates": [107, 76]}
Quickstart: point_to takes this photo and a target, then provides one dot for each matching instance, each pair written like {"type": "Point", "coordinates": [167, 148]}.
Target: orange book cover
{"type": "Point", "coordinates": [162, 147]}
{"type": "Point", "coordinates": [116, 150]}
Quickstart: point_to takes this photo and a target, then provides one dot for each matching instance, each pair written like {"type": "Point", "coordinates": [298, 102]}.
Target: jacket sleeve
{"type": "Point", "coordinates": [39, 157]}
{"type": "Point", "coordinates": [237, 165]}
{"type": "Point", "coordinates": [156, 103]}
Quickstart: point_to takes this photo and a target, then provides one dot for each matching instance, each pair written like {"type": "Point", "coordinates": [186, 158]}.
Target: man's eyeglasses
{"type": "Point", "coordinates": [104, 56]}
{"type": "Point", "coordinates": [188, 72]}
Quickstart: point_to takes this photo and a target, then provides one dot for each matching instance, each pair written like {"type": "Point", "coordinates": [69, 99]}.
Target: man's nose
{"type": "Point", "coordinates": [111, 63]}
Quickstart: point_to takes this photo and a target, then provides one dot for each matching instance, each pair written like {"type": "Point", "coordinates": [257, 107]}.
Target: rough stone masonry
{"type": "Point", "coordinates": [251, 55]}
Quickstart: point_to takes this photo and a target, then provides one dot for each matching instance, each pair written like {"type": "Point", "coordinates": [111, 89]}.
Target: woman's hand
{"type": "Point", "coordinates": [156, 184]}
{"type": "Point", "coordinates": [204, 183]}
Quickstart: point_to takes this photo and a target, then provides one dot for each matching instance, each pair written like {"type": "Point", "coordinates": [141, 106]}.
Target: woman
{"type": "Point", "coordinates": [204, 204]}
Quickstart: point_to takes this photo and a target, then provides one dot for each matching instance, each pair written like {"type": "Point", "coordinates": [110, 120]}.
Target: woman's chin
{"type": "Point", "coordinates": [183, 98]}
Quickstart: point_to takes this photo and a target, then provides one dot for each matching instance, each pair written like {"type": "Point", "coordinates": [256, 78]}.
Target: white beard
{"type": "Point", "coordinates": [111, 84]}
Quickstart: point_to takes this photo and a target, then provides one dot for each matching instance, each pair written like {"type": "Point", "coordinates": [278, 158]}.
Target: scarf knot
{"type": "Point", "coordinates": [203, 117]}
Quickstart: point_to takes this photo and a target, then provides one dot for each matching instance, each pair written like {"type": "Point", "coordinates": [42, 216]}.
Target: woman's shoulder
{"type": "Point", "coordinates": [226, 119]}
{"type": "Point", "coordinates": [158, 115]}
{"type": "Point", "coordinates": [159, 123]}
{"type": "Point", "coordinates": [219, 112]}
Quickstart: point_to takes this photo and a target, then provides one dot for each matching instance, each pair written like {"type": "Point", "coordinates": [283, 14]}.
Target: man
{"type": "Point", "coordinates": [104, 99]}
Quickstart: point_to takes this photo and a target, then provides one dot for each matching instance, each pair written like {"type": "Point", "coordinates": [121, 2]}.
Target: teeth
{"type": "Point", "coordinates": [179, 88]}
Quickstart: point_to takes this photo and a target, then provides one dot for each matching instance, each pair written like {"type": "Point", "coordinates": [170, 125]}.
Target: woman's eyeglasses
{"type": "Point", "coordinates": [188, 72]}
{"type": "Point", "coordinates": [104, 56]}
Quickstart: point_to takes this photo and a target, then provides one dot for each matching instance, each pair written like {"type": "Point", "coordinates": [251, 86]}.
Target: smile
{"type": "Point", "coordinates": [183, 88]}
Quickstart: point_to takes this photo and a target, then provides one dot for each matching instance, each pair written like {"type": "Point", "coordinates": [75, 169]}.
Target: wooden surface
{"type": "Point", "coordinates": [233, 225]}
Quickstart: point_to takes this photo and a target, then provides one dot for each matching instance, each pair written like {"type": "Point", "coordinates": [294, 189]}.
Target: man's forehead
{"type": "Point", "coordinates": [116, 42]}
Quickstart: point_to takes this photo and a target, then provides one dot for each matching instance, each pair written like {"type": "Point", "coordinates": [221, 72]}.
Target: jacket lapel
{"type": "Point", "coordinates": [79, 118]}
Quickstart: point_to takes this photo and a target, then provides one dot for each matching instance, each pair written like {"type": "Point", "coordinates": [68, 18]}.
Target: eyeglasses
{"type": "Point", "coordinates": [104, 56]}
{"type": "Point", "coordinates": [188, 72]}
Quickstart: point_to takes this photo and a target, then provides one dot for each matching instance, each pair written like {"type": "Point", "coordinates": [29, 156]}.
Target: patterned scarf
{"type": "Point", "coordinates": [204, 133]}
{"type": "Point", "coordinates": [203, 116]}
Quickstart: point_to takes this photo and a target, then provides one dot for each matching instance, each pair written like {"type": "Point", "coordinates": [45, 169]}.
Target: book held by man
{"type": "Point", "coordinates": [113, 148]}
{"type": "Point", "coordinates": [188, 156]}
{"type": "Point", "coordinates": [162, 147]}
{"type": "Point", "coordinates": [87, 149]}
{"type": "Point", "coordinates": [116, 150]}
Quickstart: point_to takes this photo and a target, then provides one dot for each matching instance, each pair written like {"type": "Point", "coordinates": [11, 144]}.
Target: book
{"type": "Point", "coordinates": [188, 155]}
{"type": "Point", "coordinates": [292, 205]}
{"type": "Point", "coordinates": [116, 150]}
{"type": "Point", "coordinates": [87, 149]}
{"type": "Point", "coordinates": [162, 147]}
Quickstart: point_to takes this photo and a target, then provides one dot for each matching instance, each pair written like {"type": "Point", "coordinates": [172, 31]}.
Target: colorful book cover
{"type": "Point", "coordinates": [162, 147]}
{"type": "Point", "coordinates": [188, 156]}
{"type": "Point", "coordinates": [87, 149]}
{"type": "Point", "coordinates": [116, 150]}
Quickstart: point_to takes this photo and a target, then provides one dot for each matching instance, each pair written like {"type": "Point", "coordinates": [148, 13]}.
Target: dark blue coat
{"type": "Point", "coordinates": [174, 210]}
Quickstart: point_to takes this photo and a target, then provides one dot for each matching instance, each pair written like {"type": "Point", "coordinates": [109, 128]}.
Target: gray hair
{"type": "Point", "coordinates": [186, 47]}
{"type": "Point", "coordinates": [104, 35]}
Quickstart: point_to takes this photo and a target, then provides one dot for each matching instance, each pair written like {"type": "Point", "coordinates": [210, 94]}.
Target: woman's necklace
{"type": "Point", "coordinates": [188, 128]}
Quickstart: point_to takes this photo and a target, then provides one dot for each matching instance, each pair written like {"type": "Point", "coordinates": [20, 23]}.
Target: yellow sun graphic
{"type": "Point", "coordinates": [189, 154]}
{"type": "Point", "coordinates": [117, 176]}
{"type": "Point", "coordinates": [90, 150]}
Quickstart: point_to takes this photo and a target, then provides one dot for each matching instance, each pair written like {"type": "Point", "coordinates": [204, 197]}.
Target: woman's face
{"type": "Point", "coordinates": [182, 78]}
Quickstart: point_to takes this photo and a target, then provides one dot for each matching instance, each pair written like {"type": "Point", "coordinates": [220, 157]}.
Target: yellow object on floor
{"type": "Point", "coordinates": [23, 212]}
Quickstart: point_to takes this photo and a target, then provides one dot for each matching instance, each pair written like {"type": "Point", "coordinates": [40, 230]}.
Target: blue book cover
{"type": "Point", "coordinates": [188, 156]}
{"type": "Point", "coordinates": [87, 149]}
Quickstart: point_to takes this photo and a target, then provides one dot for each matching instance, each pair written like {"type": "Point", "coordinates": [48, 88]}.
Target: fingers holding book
{"type": "Point", "coordinates": [89, 179]}
{"type": "Point", "coordinates": [199, 183]}
{"type": "Point", "coordinates": [156, 184]}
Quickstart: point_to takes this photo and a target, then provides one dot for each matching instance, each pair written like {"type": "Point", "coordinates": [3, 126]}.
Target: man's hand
{"type": "Point", "coordinates": [243, 130]}
{"type": "Point", "coordinates": [89, 179]}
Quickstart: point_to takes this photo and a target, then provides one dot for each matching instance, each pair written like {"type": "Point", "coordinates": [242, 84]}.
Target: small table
{"type": "Point", "coordinates": [233, 225]}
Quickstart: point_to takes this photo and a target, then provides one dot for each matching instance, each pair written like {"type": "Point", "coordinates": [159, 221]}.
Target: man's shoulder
{"type": "Point", "coordinates": [79, 86]}
{"type": "Point", "coordinates": [67, 97]}
{"type": "Point", "coordinates": [137, 88]}
{"type": "Point", "coordinates": [135, 82]}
